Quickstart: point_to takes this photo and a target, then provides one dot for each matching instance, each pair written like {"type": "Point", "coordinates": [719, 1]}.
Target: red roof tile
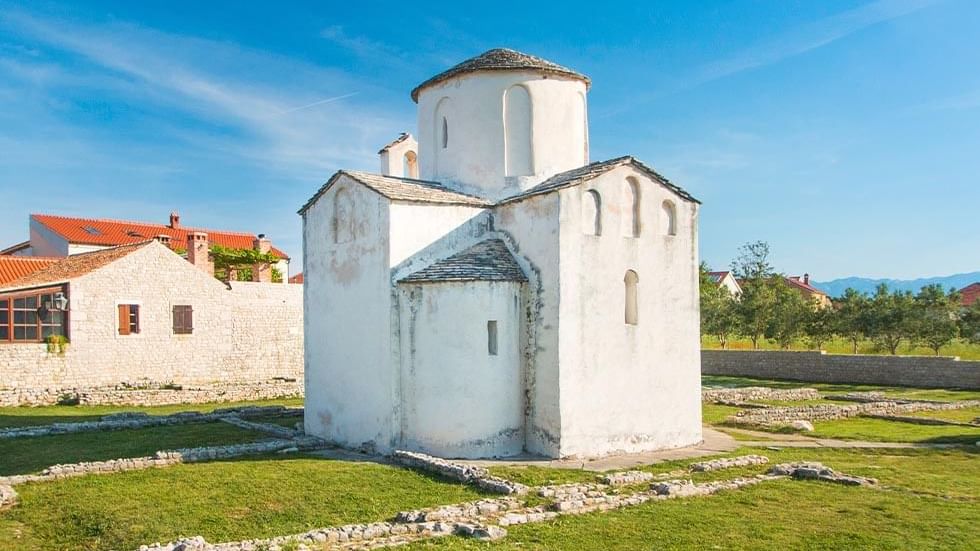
{"type": "Point", "coordinates": [298, 278]}
{"type": "Point", "coordinates": [93, 231]}
{"type": "Point", "coordinates": [64, 269]}
{"type": "Point", "coordinates": [16, 267]}
{"type": "Point", "coordinates": [796, 281]}
{"type": "Point", "coordinates": [970, 294]}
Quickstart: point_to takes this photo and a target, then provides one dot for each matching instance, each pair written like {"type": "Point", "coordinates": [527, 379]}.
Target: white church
{"type": "Point", "coordinates": [491, 292]}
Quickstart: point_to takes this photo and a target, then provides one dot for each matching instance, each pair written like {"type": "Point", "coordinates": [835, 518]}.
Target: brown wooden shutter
{"type": "Point", "coordinates": [189, 319]}
{"type": "Point", "coordinates": [123, 319]}
{"type": "Point", "coordinates": [183, 320]}
{"type": "Point", "coordinates": [178, 321]}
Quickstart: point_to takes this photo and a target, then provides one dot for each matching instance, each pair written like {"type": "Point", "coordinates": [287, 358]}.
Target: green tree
{"type": "Point", "coordinates": [789, 313]}
{"type": "Point", "coordinates": [892, 318]}
{"type": "Point", "coordinates": [239, 262]}
{"type": "Point", "coordinates": [820, 324]}
{"type": "Point", "coordinates": [755, 307]}
{"type": "Point", "coordinates": [717, 309]}
{"type": "Point", "coordinates": [970, 323]}
{"type": "Point", "coordinates": [853, 317]}
{"type": "Point", "coordinates": [936, 316]}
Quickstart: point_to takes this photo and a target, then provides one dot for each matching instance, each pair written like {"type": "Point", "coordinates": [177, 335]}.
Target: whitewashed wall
{"type": "Point", "coordinates": [252, 332]}
{"type": "Point", "coordinates": [628, 388]}
{"type": "Point", "coordinates": [350, 381]}
{"type": "Point", "coordinates": [457, 399]}
{"type": "Point", "coordinates": [475, 157]}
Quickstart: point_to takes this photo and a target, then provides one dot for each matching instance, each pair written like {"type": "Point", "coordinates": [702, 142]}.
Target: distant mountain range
{"type": "Point", "coordinates": [837, 287]}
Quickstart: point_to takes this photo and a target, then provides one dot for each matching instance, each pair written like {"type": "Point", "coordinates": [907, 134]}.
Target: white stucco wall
{"type": "Point", "coordinates": [628, 388]}
{"type": "Point", "coordinates": [422, 232]}
{"type": "Point", "coordinates": [351, 380]}
{"type": "Point", "coordinates": [473, 104]}
{"type": "Point", "coordinates": [457, 399]}
{"type": "Point", "coordinates": [45, 242]}
{"type": "Point", "coordinates": [250, 333]}
{"type": "Point", "coordinates": [531, 228]}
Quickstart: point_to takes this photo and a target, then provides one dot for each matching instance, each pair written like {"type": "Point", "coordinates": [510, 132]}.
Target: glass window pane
{"type": "Point", "coordinates": [5, 303]}
{"type": "Point", "coordinates": [20, 303]}
{"type": "Point", "coordinates": [31, 317]}
{"type": "Point", "coordinates": [31, 302]}
{"type": "Point", "coordinates": [20, 316]}
{"type": "Point", "coordinates": [4, 333]}
{"type": "Point", "coordinates": [4, 316]}
{"type": "Point", "coordinates": [19, 333]}
{"type": "Point", "coordinates": [31, 333]}
{"type": "Point", "coordinates": [49, 330]}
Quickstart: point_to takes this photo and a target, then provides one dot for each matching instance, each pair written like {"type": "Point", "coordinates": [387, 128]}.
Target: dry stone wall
{"type": "Point", "coordinates": [819, 367]}
{"type": "Point", "coordinates": [153, 394]}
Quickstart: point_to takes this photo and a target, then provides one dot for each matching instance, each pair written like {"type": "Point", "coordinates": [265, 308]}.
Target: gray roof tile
{"type": "Point", "coordinates": [488, 260]}
{"type": "Point", "coordinates": [501, 59]}
{"type": "Point", "coordinates": [579, 175]}
{"type": "Point", "coordinates": [402, 189]}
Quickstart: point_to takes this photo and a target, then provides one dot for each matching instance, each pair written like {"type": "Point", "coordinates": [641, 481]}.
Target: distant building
{"type": "Point", "coordinates": [809, 292]}
{"type": "Point", "coordinates": [728, 281]}
{"type": "Point", "coordinates": [297, 279]}
{"type": "Point", "coordinates": [60, 236]}
{"type": "Point", "coordinates": [970, 294]}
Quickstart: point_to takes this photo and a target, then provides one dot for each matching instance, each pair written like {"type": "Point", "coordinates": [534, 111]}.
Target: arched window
{"type": "Point", "coordinates": [343, 217]}
{"type": "Point", "coordinates": [518, 146]}
{"type": "Point", "coordinates": [631, 280]}
{"type": "Point", "coordinates": [670, 218]}
{"type": "Point", "coordinates": [445, 133]}
{"type": "Point", "coordinates": [440, 134]}
{"type": "Point", "coordinates": [592, 212]}
{"type": "Point", "coordinates": [631, 208]}
{"type": "Point", "coordinates": [410, 165]}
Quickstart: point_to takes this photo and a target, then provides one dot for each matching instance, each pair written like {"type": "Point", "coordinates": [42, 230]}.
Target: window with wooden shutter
{"type": "Point", "coordinates": [129, 319]}
{"type": "Point", "coordinates": [183, 320]}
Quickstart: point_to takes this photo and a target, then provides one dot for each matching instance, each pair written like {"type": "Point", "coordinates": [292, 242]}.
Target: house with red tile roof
{"type": "Point", "coordinates": [60, 236]}
{"type": "Point", "coordinates": [970, 294]}
{"type": "Point", "coordinates": [802, 285]}
{"type": "Point", "coordinates": [141, 315]}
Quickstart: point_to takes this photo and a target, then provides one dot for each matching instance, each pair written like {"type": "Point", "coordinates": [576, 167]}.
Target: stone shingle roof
{"type": "Point", "coordinates": [501, 59]}
{"type": "Point", "coordinates": [402, 189]}
{"type": "Point", "coordinates": [488, 260]}
{"type": "Point", "coordinates": [579, 175]}
{"type": "Point", "coordinates": [401, 137]}
{"type": "Point", "coordinates": [74, 266]}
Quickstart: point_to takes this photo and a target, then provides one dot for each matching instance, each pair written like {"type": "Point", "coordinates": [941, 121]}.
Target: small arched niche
{"type": "Point", "coordinates": [632, 312]}
{"type": "Point", "coordinates": [518, 158]}
{"type": "Point", "coordinates": [670, 218]}
{"type": "Point", "coordinates": [410, 165]}
{"type": "Point", "coordinates": [591, 212]}
{"type": "Point", "coordinates": [631, 208]}
{"type": "Point", "coordinates": [343, 217]}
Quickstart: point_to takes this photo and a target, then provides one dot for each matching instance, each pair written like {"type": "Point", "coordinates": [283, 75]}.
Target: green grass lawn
{"type": "Point", "coordinates": [965, 415]}
{"type": "Point", "coordinates": [43, 415]}
{"type": "Point", "coordinates": [928, 499]}
{"type": "Point", "coordinates": [222, 501]}
{"type": "Point", "coordinates": [880, 430]}
{"type": "Point", "coordinates": [960, 347]}
{"type": "Point", "coordinates": [28, 455]}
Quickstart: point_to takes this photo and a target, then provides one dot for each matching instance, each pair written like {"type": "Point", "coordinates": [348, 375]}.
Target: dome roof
{"type": "Point", "coordinates": [501, 59]}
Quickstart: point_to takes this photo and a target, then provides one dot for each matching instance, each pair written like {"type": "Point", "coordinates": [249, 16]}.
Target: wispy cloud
{"type": "Point", "coordinates": [788, 44]}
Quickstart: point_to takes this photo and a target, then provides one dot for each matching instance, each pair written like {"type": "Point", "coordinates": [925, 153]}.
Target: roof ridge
{"type": "Point", "coordinates": [136, 222]}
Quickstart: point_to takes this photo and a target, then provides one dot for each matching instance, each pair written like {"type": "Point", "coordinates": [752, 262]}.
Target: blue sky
{"type": "Point", "coordinates": [844, 133]}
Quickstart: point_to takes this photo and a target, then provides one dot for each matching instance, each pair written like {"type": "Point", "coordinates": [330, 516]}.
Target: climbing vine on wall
{"type": "Point", "coordinates": [241, 261]}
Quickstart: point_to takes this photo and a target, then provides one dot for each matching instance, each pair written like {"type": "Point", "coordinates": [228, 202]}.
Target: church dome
{"type": "Point", "coordinates": [501, 59]}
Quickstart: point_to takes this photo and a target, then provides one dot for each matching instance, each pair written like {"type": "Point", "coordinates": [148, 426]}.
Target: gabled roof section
{"type": "Point", "coordinates": [13, 268]}
{"type": "Point", "coordinates": [579, 175]}
{"type": "Point", "coordinates": [401, 137]}
{"type": "Point", "coordinates": [110, 233]}
{"type": "Point", "coordinates": [797, 281]}
{"type": "Point", "coordinates": [402, 189]}
{"type": "Point", "coordinates": [71, 267]}
{"type": "Point", "coordinates": [501, 59]}
{"type": "Point", "coordinates": [717, 276]}
{"type": "Point", "coordinates": [488, 260]}
{"type": "Point", "coordinates": [970, 294]}
{"type": "Point", "coordinates": [16, 248]}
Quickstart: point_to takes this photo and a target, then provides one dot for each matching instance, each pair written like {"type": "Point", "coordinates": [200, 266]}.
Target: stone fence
{"type": "Point", "coordinates": [153, 394]}
{"type": "Point", "coordinates": [820, 367]}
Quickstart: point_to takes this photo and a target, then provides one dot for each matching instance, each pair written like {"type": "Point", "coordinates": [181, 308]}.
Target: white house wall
{"type": "Point", "coordinates": [628, 388]}
{"type": "Point", "coordinates": [350, 384]}
{"type": "Point", "coordinates": [426, 232]}
{"type": "Point", "coordinates": [531, 229]}
{"type": "Point", "coordinates": [457, 399]}
{"type": "Point", "coordinates": [45, 242]}
{"type": "Point", "coordinates": [250, 333]}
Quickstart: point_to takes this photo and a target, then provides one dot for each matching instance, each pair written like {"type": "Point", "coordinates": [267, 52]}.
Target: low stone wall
{"type": "Point", "coordinates": [153, 394]}
{"type": "Point", "coordinates": [748, 393]}
{"type": "Point", "coordinates": [826, 412]}
{"type": "Point", "coordinates": [819, 367]}
{"type": "Point", "coordinates": [476, 476]}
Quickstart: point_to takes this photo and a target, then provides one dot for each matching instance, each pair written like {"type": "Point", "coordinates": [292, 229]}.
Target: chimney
{"type": "Point", "coordinates": [174, 220]}
{"type": "Point", "coordinates": [806, 279]}
{"type": "Point", "coordinates": [262, 271]}
{"type": "Point", "coordinates": [198, 252]}
{"type": "Point", "coordinates": [163, 239]}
